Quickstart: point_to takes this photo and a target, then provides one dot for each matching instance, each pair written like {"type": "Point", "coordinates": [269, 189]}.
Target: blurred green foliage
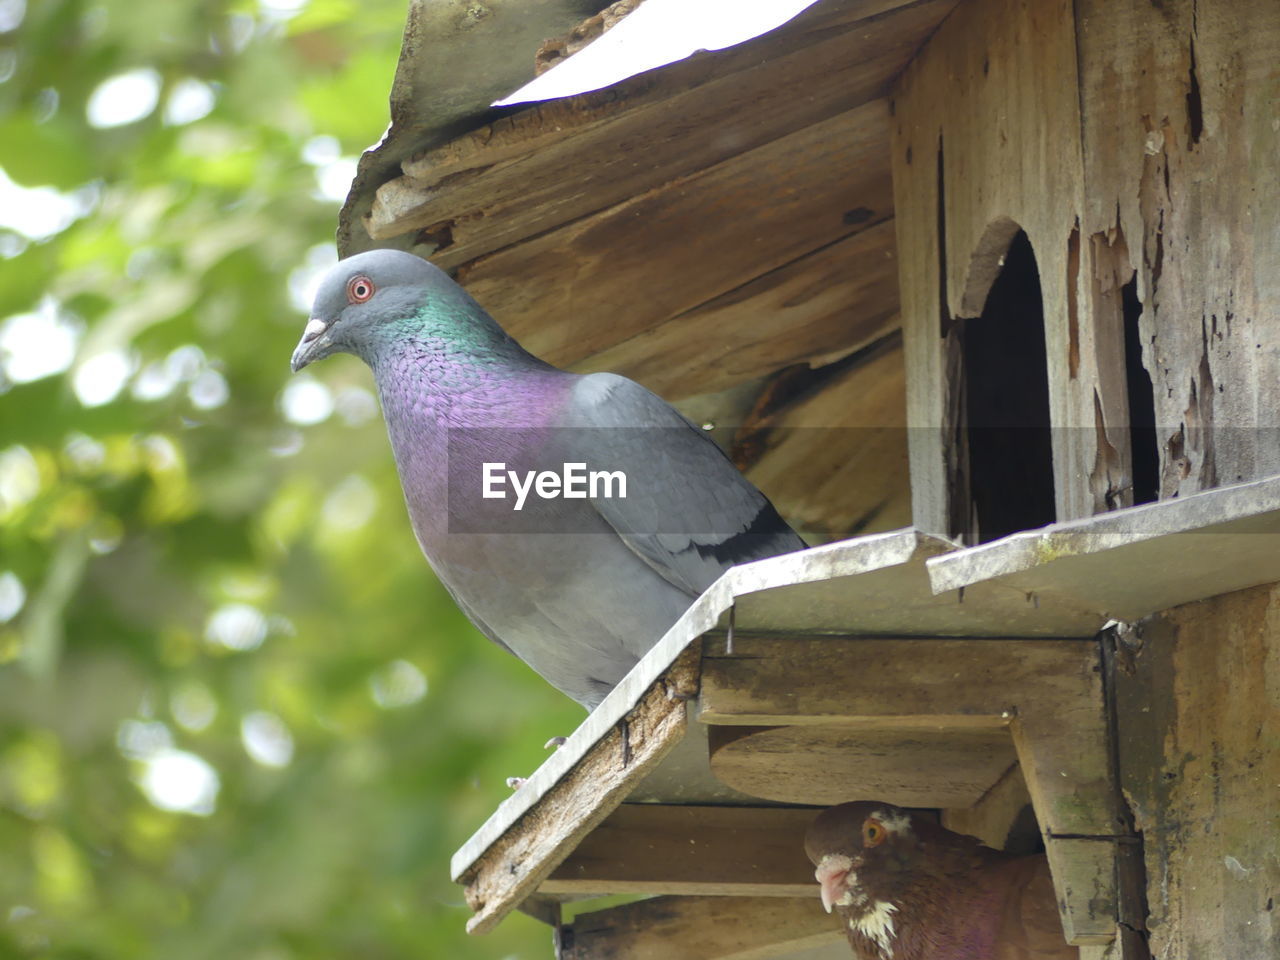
{"type": "Point", "coordinates": [238, 716]}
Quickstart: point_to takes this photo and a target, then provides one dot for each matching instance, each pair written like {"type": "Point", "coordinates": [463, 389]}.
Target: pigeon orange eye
{"type": "Point", "coordinates": [359, 289]}
{"type": "Point", "coordinates": [872, 834]}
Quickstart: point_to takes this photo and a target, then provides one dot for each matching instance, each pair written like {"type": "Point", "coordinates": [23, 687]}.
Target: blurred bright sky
{"type": "Point", "coordinates": [656, 33]}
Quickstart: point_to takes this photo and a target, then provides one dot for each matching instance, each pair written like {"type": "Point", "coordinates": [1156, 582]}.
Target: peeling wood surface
{"type": "Point", "coordinates": [705, 928]}
{"type": "Point", "coordinates": [1122, 138]}
{"type": "Point", "coordinates": [511, 869]}
{"type": "Point", "coordinates": [1180, 139]}
{"type": "Point", "coordinates": [559, 49]}
{"type": "Point", "coordinates": [986, 140]}
{"type": "Point", "coordinates": [1199, 712]}
{"type": "Point", "coordinates": [691, 850]}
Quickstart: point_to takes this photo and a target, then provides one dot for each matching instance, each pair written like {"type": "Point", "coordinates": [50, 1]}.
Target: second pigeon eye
{"type": "Point", "coordinates": [872, 833]}
{"type": "Point", "coordinates": [359, 289]}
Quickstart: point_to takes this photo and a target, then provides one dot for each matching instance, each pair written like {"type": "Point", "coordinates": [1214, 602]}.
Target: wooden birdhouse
{"type": "Point", "coordinates": [985, 294]}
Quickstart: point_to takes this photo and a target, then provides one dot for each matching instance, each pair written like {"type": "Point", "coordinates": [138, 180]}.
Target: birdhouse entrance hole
{"type": "Point", "coordinates": [1005, 388]}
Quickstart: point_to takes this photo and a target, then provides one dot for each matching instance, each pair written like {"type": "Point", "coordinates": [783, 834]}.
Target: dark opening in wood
{"type": "Point", "coordinates": [1007, 403]}
{"type": "Point", "coordinates": [1024, 836]}
{"type": "Point", "coordinates": [1142, 404]}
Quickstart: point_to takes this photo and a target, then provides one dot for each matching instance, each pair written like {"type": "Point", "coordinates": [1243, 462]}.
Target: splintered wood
{"type": "Point", "coordinates": [511, 868]}
{"type": "Point", "coordinates": [1181, 139]}
{"type": "Point", "coordinates": [1121, 137]}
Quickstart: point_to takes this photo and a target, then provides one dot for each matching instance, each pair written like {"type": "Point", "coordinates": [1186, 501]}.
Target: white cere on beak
{"type": "Point", "coordinates": [832, 874]}
{"type": "Point", "coordinates": [315, 326]}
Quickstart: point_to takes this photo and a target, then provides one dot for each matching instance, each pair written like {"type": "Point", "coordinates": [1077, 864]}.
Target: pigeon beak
{"type": "Point", "coordinates": [313, 345]}
{"type": "Point", "coordinates": [832, 873]}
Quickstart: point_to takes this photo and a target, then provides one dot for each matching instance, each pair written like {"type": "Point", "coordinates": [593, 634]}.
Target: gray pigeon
{"type": "Point", "coordinates": [628, 510]}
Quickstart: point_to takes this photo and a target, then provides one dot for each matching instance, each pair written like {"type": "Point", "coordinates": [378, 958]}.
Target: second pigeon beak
{"type": "Point", "coordinates": [833, 875]}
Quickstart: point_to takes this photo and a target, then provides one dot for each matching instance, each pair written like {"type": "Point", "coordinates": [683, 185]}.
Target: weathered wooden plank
{"type": "Point", "coordinates": [872, 586]}
{"type": "Point", "coordinates": [825, 765]}
{"type": "Point", "coordinates": [558, 161]}
{"type": "Point", "coordinates": [511, 868]}
{"type": "Point", "coordinates": [1198, 697]}
{"type": "Point", "coordinates": [1180, 136]}
{"type": "Point", "coordinates": [609, 276]}
{"type": "Point", "coordinates": [691, 850]}
{"type": "Point", "coordinates": [816, 309]}
{"type": "Point", "coordinates": [986, 141]}
{"type": "Point", "coordinates": [995, 814]}
{"type": "Point", "coordinates": [1134, 562]}
{"type": "Point", "coordinates": [896, 682]}
{"type": "Point", "coordinates": [1084, 880]}
{"type": "Point", "coordinates": [702, 928]}
{"type": "Point", "coordinates": [555, 51]}
{"type": "Point", "coordinates": [850, 433]}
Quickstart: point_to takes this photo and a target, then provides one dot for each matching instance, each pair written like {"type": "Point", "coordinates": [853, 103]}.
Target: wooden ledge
{"type": "Point", "coordinates": [1130, 563]}
{"type": "Point", "coordinates": [521, 858]}
{"type": "Point", "coordinates": [703, 928]}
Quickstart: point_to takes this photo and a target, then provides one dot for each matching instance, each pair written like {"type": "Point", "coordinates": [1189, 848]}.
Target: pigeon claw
{"type": "Point", "coordinates": [555, 743]}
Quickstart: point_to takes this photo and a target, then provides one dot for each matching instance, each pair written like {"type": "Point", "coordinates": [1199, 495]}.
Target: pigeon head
{"type": "Point", "coordinates": [872, 855]}
{"type": "Point", "coordinates": [372, 298]}
{"type": "Point", "coordinates": [865, 854]}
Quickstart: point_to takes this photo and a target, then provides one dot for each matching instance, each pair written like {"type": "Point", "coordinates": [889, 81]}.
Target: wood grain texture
{"type": "Point", "coordinates": [994, 815]}
{"type": "Point", "coordinates": [849, 431]}
{"type": "Point", "coordinates": [691, 850]}
{"type": "Point", "coordinates": [1180, 136]}
{"type": "Point", "coordinates": [1199, 713]}
{"type": "Point", "coordinates": [823, 765]}
{"type": "Point", "coordinates": [702, 928]}
{"type": "Point", "coordinates": [896, 682]}
{"type": "Point", "coordinates": [814, 310]}
{"type": "Point", "coordinates": [555, 162]}
{"type": "Point", "coordinates": [609, 276]}
{"type": "Point", "coordinates": [512, 867]}
{"type": "Point", "coordinates": [987, 141]}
